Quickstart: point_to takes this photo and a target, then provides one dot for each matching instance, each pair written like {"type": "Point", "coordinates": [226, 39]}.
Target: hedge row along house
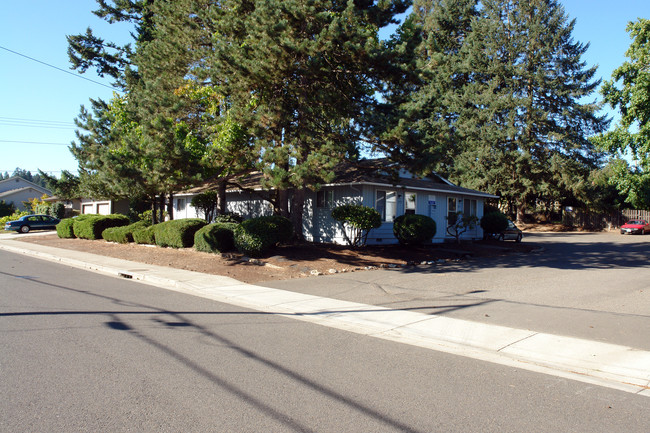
{"type": "Point", "coordinates": [369, 183]}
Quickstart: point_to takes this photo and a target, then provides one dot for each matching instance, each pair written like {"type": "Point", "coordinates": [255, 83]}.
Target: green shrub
{"type": "Point", "coordinates": [13, 217]}
{"type": "Point", "coordinates": [123, 234]}
{"type": "Point", "coordinates": [6, 209]}
{"type": "Point", "coordinates": [57, 210]}
{"type": "Point", "coordinates": [177, 233]}
{"type": "Point", "coordinates": [144, 236]}
{"type": "Point", "coordinates": [494, 222]}
{"type": "Point", "coordinates": [228, 218]}
{"type": "Point", "coordinates": [358, 220]}
{"type": "Point", "coordinates": [215, 238]}
{"type": "Point", "coordinates": [257, 235]}
{"type": "Point", "coordinates": [413, 229]}
{"type": "Point", "coordinates": [64, 228]}
{"type": "Point", "coordinates": [147, 216]}
{"type": "Point", "coordinates": [92, 226]}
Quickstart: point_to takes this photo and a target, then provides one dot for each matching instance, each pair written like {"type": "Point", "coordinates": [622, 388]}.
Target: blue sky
{"type": "Point", "coordinates": [39, 103]}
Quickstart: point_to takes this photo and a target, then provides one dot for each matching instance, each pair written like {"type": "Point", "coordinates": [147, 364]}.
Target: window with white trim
{"type": "Point", "coordinates": [410, 202]}
{"type": "Point", "coordinates": [452, 205]}
{"type": "Point", "coordinates": [386, 204]}
{"type": "Point", "coordinates": [469, 207]}
{"type": "Point", "coordinates": [325, 198]}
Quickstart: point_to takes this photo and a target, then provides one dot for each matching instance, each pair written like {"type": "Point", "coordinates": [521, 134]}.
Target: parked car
{"type": "Point", "coordinates": [32, 222]}
{"type": "Point", "coordinates": [635, 227]}
{"type": "Point", "coordinates": [512, 233]}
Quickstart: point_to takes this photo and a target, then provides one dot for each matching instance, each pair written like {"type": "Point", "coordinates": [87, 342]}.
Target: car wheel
{"type": "Point", "coordinates": [518, 238]}
{"type": "Point", "coordinates": [24, 229]}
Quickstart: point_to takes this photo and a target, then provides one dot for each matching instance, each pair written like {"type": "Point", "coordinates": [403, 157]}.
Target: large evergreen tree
{"type": "Point", "coordinates": [423, 94]}
{"type": "Point", "coordinates": [297, 75]}
{"type": "Point", "coordinates": [506, 82]}
{"type": "Point", "coordinates": [526, 122]}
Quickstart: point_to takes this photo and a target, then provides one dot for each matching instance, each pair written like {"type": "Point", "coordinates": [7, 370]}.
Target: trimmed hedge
{"type": "Point", "coordinates": [494, 222]}
{"type": "Point", "coordinates": [215, 238]}
{"type": "Point", "coordinates": [177, 233]}
{"type": "Point", "coordinates": [411, 229]}
{"type": "Point", "coordinates": [64, 228]}
{"type": "Point", "coordinates": [92, 226]}
{"type": "Point", "coordinates": [144, 236]}
{"type": "Point", "coordinates": [124, 234]}
{"type": "Point", "coordinates": [255, 236]}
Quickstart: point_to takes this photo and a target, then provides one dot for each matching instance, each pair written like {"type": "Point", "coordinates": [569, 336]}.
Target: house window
{"type": "Point", "coordinates": [180, 204]}
{"type": "Point", "coordinates": [452, 205]}
{"type": "Point", "coordinates": [469, 208]}
{"type": "Point", "coordinates": [325, 198]}
{"type": "Point", "coordinates": [386, 205]}
{"type": "Point", "coordinates": [410, 203]}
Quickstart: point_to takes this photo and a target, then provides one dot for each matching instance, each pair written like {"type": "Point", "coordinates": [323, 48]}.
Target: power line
{"type": "Point", "coordinates": [59, 69]}
{"type": "Point", "coordinates": [20, 120]}
{"type": "Point", "coordinates": [2, 123]}
{"type": "Point", "coordinates": [34, 142]}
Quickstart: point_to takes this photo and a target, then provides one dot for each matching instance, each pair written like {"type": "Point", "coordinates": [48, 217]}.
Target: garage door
{"type": "Point", "coordinates": [87, 208]}
{"type": "Point", "coordinates": [103, 208]}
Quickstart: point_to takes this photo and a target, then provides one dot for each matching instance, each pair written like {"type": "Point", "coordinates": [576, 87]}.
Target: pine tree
{"type": "Point", "coordinates": [423, 97]}
{"type": "Point", "coordinates": [297, 74]}
{"type": "Point", "coordinates": [519, 118]}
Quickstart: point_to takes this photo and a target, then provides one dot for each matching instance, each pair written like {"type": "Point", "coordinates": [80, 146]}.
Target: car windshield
{"type": "Point", "coordinates": [635, 223]}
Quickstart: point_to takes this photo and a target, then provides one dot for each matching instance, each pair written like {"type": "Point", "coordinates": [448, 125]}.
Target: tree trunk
{"type": "Point", "coordinates": [297, 208]}
{"type": "Point", "coordinates": [282, 203]}
{"type": "Point", "coordinates": [222, 205]}
{"type": "Point", "coordinates": [154, 210]}
{"type": "Point", "coordinates": [161, 208]}
{"type": "Point", "coordinates": [521, 208]}
{"type": "Point", "coordinates": [170, 206]}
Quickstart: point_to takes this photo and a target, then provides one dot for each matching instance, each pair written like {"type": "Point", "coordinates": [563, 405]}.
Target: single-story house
{"type": "Point", "coordinates": [16, 190]}
{"type": "Point", "coordinates": [368, 183]}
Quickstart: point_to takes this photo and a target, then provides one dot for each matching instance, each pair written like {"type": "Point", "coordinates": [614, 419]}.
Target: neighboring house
{"type": "Point", "coordinates": [16, 190]}
{"type": "Point", "coordinates": [103, 207]}
{"type": "Point", "coordinates": [366, 183]}
{"type": "Point", "coordinates": [72, 206]}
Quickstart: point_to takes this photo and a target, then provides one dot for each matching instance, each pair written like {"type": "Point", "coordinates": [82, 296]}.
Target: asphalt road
{"type": "Point", "coordinates": [82, 352]}
{"type": "Point", "coordinates": [594, 286]}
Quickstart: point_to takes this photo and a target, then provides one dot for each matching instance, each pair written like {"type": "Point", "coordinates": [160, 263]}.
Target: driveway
{"type": "Point", "coordinates": [588, 285]}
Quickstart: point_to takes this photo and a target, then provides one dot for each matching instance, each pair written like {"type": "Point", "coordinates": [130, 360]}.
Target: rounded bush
{"type": "Point", "coordinates": [228, 218]}
{"type": "Point", "coordinates": [494, 222]}
{"type": "Point", "coordinates": [359, 220]}
{"type": "Point", "coordinates": [92, 226]}
{"type": "Point", "coordinates": [177, 233]}
{"type": "Point", "coordinates": [257, 235]}
{"type": "Point", "coordinates": [144, 236]}
{"type": "Point", "coordinates": [215, 238]}
{"type": "Point", "coordinates": [413, 229]}
{"type": "Point", "coordinates": [64, 229]}
{"type": "Point", "coordinates": [124, 234]}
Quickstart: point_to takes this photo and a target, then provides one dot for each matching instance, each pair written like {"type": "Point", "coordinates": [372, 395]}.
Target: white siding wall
{"type": "Point", "coordinates": [319, 226]}
{"type": "Point", "coordinates": [20, 196]}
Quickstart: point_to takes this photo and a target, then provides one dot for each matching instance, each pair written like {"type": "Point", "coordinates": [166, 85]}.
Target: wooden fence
{"type": "Point", "coordinates": [636, 214]}
{"type": "Point", "coordinates": [600, 221]}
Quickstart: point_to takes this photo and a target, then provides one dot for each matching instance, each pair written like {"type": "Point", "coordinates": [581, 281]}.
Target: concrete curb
{"type": "Point", "coordinates": [618, 367]}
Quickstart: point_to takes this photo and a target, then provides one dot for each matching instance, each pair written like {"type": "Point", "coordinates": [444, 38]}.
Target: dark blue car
{"type": "Point", "coordinates": [32, 222]}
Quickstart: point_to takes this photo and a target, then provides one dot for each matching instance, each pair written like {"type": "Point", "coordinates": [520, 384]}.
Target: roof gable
{"type": "Point", "coordinates": [17, 182]}
{"type": "Point", "coordinates": [378, 172]}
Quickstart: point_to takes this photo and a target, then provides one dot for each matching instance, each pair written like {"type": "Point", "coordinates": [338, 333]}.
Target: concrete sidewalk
{"type": "Point", "coordinates": [614, 366]}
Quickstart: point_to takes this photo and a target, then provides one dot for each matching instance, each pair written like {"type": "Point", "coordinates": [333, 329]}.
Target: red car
{"type": "Point", "coordinates": [635, 227]}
